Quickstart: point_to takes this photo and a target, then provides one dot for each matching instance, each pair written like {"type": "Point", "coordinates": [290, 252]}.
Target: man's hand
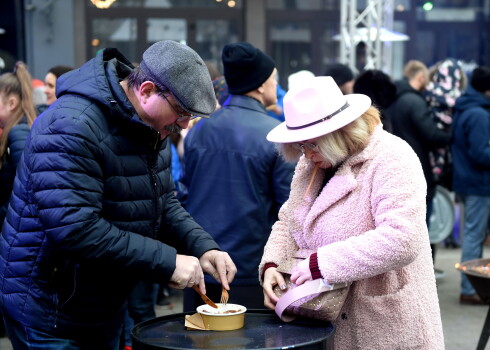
{"type": "Point", "coordinates": [187, 273]}
{"type": "Point", "coordinates": [219, 265]}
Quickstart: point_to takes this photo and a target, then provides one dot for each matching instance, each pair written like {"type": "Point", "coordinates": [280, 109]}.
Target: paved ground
{"type": "Point", "coordinates": [462, 324]}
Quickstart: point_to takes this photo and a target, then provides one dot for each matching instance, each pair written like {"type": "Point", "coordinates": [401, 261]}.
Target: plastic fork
{"type": "Point", "coordinates": [224, 296]}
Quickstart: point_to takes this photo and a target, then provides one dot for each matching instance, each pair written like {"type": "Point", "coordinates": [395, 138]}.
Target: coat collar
{"type": "Point", "coordinates": [342, 183]}
{"type": "Point", "coordinates": [246, 102]}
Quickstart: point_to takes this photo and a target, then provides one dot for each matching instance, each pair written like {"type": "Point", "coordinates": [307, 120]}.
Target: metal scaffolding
{"type": "Point", "coordinates": [366, 27]}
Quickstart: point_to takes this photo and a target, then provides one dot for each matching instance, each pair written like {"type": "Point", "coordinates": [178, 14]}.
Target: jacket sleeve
{"type": "Point", "coordinates": [16, 140]}
{"type": "Point", "coordinates": [15, 143]}
{"type": "Point", "coordinates": [423, 121]}
{"type": "Point", "coordinates": [67, 187]}
{"type": "Point", "coordinates": [282, 175]}
{"type": "Point", "coordinates": [280, 244]}
{"type": "Point", "coordinates": [186, 234]}
{"type": "Point", "coordinates": [476, 128]}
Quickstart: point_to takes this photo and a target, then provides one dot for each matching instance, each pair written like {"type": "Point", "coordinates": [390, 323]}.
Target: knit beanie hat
{"type": "Point", "coordinates": [340, 73]}
{"type": "Point", "coordinates": [182, 71]}
{"type": "Point", "coordinates": [480, 79]}
{"type": "Point", "coordinates": [246, 67]}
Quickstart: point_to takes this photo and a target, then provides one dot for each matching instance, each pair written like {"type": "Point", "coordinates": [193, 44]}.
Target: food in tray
{"type": "Point", "coordinates": [221, 312]}
{"type": "Point", "coordinates": [225, 317]}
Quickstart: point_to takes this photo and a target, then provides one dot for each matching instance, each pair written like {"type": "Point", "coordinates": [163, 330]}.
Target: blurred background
{"type": "Point", "coordinates": [298, 34]}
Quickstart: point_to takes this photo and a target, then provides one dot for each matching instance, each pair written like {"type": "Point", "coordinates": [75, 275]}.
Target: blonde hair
{"type": "Point", "coordinates": [414, 67]}
{"type": "Point", "coordinates": [17, 83]}
{"type": "Point", "coordinates": [342, 143]}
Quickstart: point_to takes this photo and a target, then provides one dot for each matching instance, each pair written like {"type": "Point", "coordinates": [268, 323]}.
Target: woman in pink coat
{"type": "Point", "coordinates": [358, 200]}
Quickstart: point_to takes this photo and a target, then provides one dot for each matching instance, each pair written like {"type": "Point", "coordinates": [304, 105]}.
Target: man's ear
{"type": "Point", "coordinates": [261, 89]}
{"type": "Point", "coordinates": [146, 89]}
{"type": "Point", "coordinates": [423, 78]}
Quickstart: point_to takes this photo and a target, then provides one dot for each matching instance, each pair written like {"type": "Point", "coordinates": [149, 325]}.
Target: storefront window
{"type": "Point", "coordinates": [302, 4]}
{"type": "Point", "coordinates": [212, 35]}
{"type": "Point", "coordinates": [178, 3]}
{"type": "Point", "coordinates": [120, 33]}
{"type": "Point", "coordinates": [291, 44]}
{"type": "Point", "coordinates": [329, 47]}
{"type": "Point", "coordinates": [396, 52]}
{"type": "Point", "coordinates": [166, 29]}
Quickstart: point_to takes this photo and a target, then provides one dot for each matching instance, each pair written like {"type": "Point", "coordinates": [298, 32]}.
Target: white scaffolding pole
{"type": "Point", "coordinates": [365, 26]}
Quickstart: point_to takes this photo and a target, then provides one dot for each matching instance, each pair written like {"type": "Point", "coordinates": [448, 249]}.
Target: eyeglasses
{"type": "Point", "coordinates": [181, 116]}
{"type": "Point", "coordinates": [304, 146]}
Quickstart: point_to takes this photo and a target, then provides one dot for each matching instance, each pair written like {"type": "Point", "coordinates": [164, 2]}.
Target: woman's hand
{"type": "Point", "coordinates": [301, 273]}
{"type": "Point", "coordinates": [272, 278]}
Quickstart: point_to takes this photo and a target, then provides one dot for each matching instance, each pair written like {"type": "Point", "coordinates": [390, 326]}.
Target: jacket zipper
{"type": "Point", "coordinates": [152, 158]}
{"type": "Point", "coordinates": [58, 305]}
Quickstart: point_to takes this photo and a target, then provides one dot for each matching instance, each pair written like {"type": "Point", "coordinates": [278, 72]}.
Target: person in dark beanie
{"type": "Point", "coordinates": [93, 207]}
{"type": "Point", "coordinates": [230, 166]}
{"type": "Point", "coordinates": [342, 75]}
{"type": "Point", "coordinates": [471, 170]}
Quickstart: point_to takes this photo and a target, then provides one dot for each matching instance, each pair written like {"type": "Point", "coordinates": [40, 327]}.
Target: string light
{"type": "Point", "coordinates": [427, 6]}
{"type": "Point", "coordinates": [102, 4]}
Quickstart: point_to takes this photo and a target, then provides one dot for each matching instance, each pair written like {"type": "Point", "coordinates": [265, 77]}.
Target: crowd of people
{"type": "Point", "coordinates": [168, 173]}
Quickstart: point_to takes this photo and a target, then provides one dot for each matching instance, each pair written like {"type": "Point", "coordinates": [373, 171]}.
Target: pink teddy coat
{"type": "Point", "coordinates": [368, 226]}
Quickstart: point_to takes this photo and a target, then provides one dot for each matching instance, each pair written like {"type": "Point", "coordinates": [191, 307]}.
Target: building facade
{"type": "Point", "coordinates": [298, 34]}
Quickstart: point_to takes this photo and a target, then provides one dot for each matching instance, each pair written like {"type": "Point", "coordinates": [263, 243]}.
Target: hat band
{"type": "Point", "coordinates": [320, 120]}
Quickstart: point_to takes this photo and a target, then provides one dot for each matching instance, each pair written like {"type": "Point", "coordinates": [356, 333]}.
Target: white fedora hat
{"type": "Point", "coordinates": [315, 109]}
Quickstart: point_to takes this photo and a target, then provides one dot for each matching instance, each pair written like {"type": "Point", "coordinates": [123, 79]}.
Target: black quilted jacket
{"type": "Point", "coordinates": [93, 208]}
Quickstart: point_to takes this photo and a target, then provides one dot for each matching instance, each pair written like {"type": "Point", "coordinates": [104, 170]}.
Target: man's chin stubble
{"type": "Point", "coordinates": [173, 129]}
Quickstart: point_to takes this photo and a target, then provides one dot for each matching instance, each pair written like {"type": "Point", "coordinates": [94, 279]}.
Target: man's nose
{"type": "Point", "coordinates": [184, 123]}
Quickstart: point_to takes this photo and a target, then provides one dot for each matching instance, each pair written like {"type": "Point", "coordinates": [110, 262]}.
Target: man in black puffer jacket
{"type": "Point", "coordinates": [93, 207]}
{"type": "Point", "coordinates": [413, 121]}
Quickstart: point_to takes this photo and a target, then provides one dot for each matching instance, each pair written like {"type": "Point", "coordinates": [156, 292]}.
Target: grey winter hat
{"type": "Point", "coordinates": [182, 71]}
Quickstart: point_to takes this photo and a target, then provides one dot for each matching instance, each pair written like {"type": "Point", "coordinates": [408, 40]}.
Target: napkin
{"type": "Point", "coordinates": [194, 322]}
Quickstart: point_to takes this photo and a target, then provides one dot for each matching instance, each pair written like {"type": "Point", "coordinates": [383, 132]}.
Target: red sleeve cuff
{"type": "Point", "coordinates": [266, 266]}
{"type": "Point", "coordinates": [314, 269]}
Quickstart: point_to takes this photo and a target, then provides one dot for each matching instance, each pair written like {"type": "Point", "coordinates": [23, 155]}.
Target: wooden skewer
{"type": "Point", "coordinates": [311, 180]}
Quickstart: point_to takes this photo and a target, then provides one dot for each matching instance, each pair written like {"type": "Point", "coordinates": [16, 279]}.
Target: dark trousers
{"type": "Point", "coordinates": [142, 300]}
{"type": "Point", "coordinates": [26, 338]}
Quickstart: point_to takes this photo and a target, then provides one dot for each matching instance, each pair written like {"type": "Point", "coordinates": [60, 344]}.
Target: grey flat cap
{"type": "Point", "coordinates": [180, 69]}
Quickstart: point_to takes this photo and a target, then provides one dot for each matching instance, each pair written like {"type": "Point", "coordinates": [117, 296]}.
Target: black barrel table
{"type": "Point", "coordinates": [262, 330]}
{"type": "Point", "coordinates": [481, 282]}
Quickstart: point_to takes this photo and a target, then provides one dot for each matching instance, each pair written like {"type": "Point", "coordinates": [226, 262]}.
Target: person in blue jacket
{"type": "Point", "coordinates": [471, 169]}
{"type": "Point", "coordinates": [235, 178]}
{"type": "Point", "coordinates": [17, 113]}
{"type": "Point", "coordinates": [93, 208]}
